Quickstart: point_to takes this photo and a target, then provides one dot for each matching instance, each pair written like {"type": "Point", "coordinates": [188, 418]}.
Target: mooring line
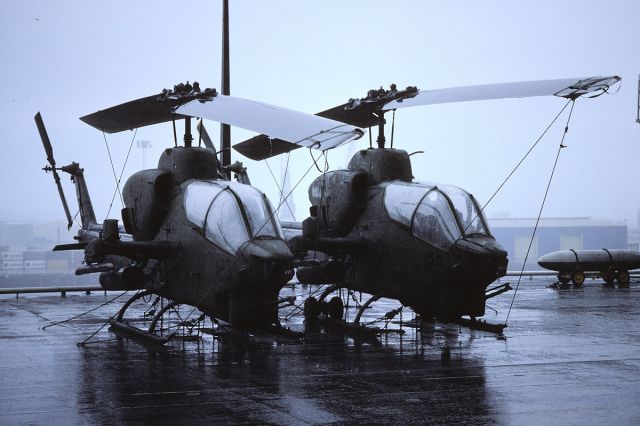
{"type": "Point", "coordinates": [544, 199]}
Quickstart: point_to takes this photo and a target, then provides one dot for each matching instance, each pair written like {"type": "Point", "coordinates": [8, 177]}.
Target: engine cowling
{"type": "Point", "coordinates": [338, 199]}
{"type": "Point", "coordinates": [146, 197]}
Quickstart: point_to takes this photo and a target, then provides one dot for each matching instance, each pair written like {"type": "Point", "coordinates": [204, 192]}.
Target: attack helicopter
{"type": "Point", "coordinates": [190, 235]}
{"type": "Point", "coordinates": [427, 245]}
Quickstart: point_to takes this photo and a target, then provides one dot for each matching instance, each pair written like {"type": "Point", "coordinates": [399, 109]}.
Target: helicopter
{"type": "Point", "coordinates": [427, 245]}
{"type": "Point", "coordinates": [190, 234]}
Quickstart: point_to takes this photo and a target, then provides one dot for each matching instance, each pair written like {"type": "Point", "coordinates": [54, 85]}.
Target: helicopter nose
{"type": "Point", "coordinates": [479, 261]}
{"type": "Point", "coordinates": [484, 255]}
{"type": "Point", "coordinates": [497, 257]}
{"type": "Point", "coordinates": [268, 260]}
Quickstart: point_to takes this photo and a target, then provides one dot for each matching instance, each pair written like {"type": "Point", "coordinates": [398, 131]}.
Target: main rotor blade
{"type": "Point", "coordinates": [49, 151]}
{"type": "Point", "coordinates": [570, 88]}
{"type": "Point", "coordinates": [131, 115]}
{"type": "Point", "coordinates": [276, 122]}
{"type": "Point", "coordinates": [205, 136]}
{"type": "Point", "coordinates": [359, 117]}
{"type": "Point", "coordinates": [261, 147]}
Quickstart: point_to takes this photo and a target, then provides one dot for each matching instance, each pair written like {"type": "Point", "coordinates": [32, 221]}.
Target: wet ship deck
{"type": "Point", "coordinates": [570, 356]}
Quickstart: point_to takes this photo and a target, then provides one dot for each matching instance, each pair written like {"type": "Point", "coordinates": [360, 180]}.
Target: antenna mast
{"type": "Point", "coordinates": [225, 129]}
{"type": "Point", "coordinates": [638, 112]}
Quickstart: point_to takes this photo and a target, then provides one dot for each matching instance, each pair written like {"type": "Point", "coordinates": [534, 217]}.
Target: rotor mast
{"type": "Point", "coordinates": [381, 139]}
{"type": "Point", "coordinates": [225, 129]}
{"type": "Point", "coordinates": [375, 102]}
{"type": "Point", "coordinates": [188, 137]}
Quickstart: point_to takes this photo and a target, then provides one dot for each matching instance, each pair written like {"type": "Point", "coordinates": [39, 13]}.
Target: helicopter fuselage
{"type": "Point", "coordinates": [426, 245]}
{"type": "Point", "coordinates": [433, 281]}
{"type": "Point", "coordinates": [237, 282]}
{"type": "Point", "coordinates": [194, 239]}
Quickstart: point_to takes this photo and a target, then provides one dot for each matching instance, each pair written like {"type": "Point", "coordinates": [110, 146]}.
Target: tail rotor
{"type": "Point", "coordinates": [52, 166]}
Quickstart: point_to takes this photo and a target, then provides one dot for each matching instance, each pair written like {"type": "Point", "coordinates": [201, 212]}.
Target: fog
{"type": "Point", "coordinates": [68, 59]}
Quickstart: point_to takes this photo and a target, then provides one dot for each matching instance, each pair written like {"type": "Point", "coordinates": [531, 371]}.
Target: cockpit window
{"type": "Point", "coordinates": [230, 213]}
{"type": "Point", "coordinates": [197, 200]}
{"type": "Point", "coordinates": [259, 211]}
{"type": "Point", "coordinates": [433, 221]}
{"type": "Point", "coordinates": [401, 199]}
{"type": "Point", "coordinates": [224, 225]}
{"type": "Point", "coordinates": [468, 213]}
{"type": "Point", "coordinates": [430, 211]}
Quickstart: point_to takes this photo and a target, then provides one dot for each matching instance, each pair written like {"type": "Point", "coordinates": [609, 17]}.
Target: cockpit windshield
{"type": "Point", "coordinates": [465, 208]}
{"type": "Point", "coordinates": [433, 221]}
{"type": "Point", "coordinates": [436, 214]}
{"type": "Point", "coordinates": [230, 213]}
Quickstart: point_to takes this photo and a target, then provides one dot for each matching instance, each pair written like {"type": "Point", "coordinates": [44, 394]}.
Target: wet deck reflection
{"type": "Point", "coordinates": [570, 356]}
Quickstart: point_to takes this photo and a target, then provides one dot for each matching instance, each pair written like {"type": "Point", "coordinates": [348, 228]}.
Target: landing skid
{"type": "Point", "coordinates": [312, 311]}
{"type": "Point", "coordinates": [135, 331]}
{"type": "Point", "coordinates": [332, 314]}
{"type": "Point", "coordinates": [167, 319]}
{"type": "Point", "coordinates": [358, 329]}
{"type": "Point", "coordinates": [475, 324]}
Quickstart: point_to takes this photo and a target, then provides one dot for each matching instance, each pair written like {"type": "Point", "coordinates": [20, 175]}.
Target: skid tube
{"type": "Point", "coordinates": [480, 325]}
{"type": "Point", "coordinates": [136, 332]}
{"type": "Point", "coordinates": [119, 323]}
{"type": "Point", "coordinates": [356, 327]}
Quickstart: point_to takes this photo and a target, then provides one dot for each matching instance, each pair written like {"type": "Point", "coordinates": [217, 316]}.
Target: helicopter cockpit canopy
{"type": "Point", "coordinates": [230, 213]}
{"type": "Point", "coordinates": [436, 214]}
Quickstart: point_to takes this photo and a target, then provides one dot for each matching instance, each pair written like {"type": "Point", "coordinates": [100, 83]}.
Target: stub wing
{"type": "Point", "coordinates": [569, 88]}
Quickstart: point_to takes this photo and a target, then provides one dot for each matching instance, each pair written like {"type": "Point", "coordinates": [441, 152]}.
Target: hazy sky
{"type": "Point", "coordinates": [70, 58]}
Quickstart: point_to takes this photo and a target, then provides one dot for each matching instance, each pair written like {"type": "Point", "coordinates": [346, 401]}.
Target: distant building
{"type": "Point", "coordinates": [514, 234]}
{"type": "Point", "coordinates": [26, 248]}
{"type": "Point", "coordinates": [54, 232]}
{"type": "Point", "coordinates": [15, 233]}
{"type": "Point", "coordinates": [634, 236]}
{"type": "Point", "coordinates": [41, 235]}
{"type": "Point", "coordinates": [634, 239]}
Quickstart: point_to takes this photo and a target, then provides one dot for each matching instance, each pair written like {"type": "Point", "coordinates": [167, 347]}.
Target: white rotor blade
{"type": "Point", "coordinates": [567, 88]}
{"type": "Point", "coordinates": [276, 122]}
